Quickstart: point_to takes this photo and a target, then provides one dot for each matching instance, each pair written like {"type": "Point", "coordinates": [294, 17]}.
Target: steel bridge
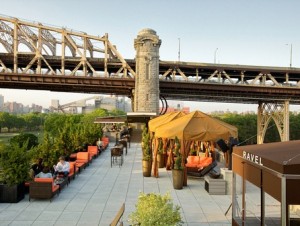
{"type": "Point", "coordinates": [40, 57]}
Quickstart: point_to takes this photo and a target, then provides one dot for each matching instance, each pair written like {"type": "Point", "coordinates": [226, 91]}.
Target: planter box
{"type": "Point", "coordinates": [147, 167]}
{"type": "Point", "coordinates": [215, 186]}
{"type": "Point", "coordinates": [177, 176]}
{"type": "Point", "coordinates": [11, 194]}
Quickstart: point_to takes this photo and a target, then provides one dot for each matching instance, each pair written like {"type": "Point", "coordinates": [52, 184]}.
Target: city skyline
{"type": "Point", "coordinates": [231, 32]}
{"type": "Point", "coordinates": [171, 105]}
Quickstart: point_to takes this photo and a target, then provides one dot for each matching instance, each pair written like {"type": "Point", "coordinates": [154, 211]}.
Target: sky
{"type": "Point", "coordinates": [256, 32]}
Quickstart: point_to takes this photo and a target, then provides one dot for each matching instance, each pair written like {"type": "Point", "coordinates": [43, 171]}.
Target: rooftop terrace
{"type": "Point", "coordinates": [98, 192]}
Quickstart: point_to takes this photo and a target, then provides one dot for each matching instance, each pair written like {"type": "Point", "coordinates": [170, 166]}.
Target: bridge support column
{"type": "Point", "coordinates": [146, 94]}
{"type": "Point", "coordinates": [279, 112]}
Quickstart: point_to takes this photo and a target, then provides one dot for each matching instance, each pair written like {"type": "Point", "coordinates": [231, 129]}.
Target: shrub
{"type": "Point", "coordinates": [22, 138]}
{"type": "Point", "coordinates": [155, 209]}
{"type": "Point", "coordinates": [146, 145]}
{"type": "Point", "coordinates": [14, 163]}
{"type": "Point", "coordinates": [178, 160]}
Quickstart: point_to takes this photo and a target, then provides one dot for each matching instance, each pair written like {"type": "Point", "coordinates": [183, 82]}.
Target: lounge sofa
{"type": "Point", "coordinates": [43, 188]}
{"type": "Point", "coordinates": [105, 142]}
{"type": "Point", "coordinates": [82, 159]}
{"type": "Point", "coordinates": [93, 151]}
{"type": "Point", "coordinates": [197, 163]}
{"type": "Point", "coordinates": [200, 166]}
{"type": "Point", "coordinates": [73, 171]}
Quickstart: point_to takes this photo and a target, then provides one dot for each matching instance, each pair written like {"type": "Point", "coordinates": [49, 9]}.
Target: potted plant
{"type": "Point", "coordinates": [15, 166]}
{"type": "Point", "coordinates": [177, 171]}
{"type": "Point", "coordinates": [160, 154]}
{"type": "Point", "coordinates": [155, 209]}
{"type": "Point", "coordinates": [147, 153]}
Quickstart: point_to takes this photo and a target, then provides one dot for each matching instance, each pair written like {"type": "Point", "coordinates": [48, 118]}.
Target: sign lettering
{"type": "Point", "coordinates": [252, 158]}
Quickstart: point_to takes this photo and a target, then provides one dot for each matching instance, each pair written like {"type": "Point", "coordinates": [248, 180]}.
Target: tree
{"type": "Point", "coordinates": [246, 125]}
{"type": "Point", "coordinates": [7, 120]}
{"type": "Point", "coordinates": [19, 123]}
{"type": "Point", "coordinates": [3, 116]}
{"type": "Point", "coordinates": [294, 126]}
{"type": "Point", "coordinates": [30, 139]}
{"type": "Point", "coordinates": [47, 151]}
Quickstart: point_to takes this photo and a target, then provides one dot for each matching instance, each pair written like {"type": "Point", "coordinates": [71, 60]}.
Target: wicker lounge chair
{"type": "Point", "coordinates": [43, 188]}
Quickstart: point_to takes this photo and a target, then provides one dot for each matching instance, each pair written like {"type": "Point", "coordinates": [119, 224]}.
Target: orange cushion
{"type": "Point", "coordinates": [43, 180]}
{"type": "Point", "coordinates": [82, 156]}
{"type": "Point", "coordinates": [79, 164]}
{"type": "Point", "coordinates": [197, 161]}
{"type": "Point", "coordinates": [193, 161]}
{"type": "Point", "coordinates": [93, 149]}
{"type": "Point", "coordinates": [82, 161]}
{"type": "Point", "coordinates": [205, 161]}
{"type": "Point", "coordinates": [72, 167]}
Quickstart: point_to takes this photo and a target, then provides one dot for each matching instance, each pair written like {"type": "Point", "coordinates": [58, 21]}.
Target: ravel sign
{"type": "Point", "coordinates": [252, 158]}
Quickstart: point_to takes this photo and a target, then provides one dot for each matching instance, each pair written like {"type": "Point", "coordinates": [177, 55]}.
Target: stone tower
{"type": "Point", "coordinates": [146, 94]}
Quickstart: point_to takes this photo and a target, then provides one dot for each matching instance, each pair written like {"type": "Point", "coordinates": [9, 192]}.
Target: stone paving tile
{"type": "Point", "coordinates": [49, 216]}
{"type": "Point", "coordinates": [44, 223]}
{"type": "Point", "coordinates": [21, 223]}
{"type": "Point", "coordinates": [4, 223]}
{"type": "Point", "coordinates": [28, 215]}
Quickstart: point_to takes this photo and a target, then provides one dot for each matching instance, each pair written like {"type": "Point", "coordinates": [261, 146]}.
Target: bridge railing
{"type": "Point", "coordinates": [230, 74]}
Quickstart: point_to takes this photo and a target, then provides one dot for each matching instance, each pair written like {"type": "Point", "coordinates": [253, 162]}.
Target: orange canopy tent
{"type": "Point", "coordinates": [163, 119]}
{"type": "Point", "coordinates": [196, 126]}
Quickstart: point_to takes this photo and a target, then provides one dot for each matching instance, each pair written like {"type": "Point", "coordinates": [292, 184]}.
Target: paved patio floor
{"type": "Point", "coordinates": [97, 193]}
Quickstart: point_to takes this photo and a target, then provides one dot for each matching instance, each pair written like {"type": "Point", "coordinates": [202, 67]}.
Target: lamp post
{"type": "Point", "coordinates": [215, 55]}
{"type": "Point", "coordinates": [291, 54]}
{"type": "Point", "coordinates": [179, 50]}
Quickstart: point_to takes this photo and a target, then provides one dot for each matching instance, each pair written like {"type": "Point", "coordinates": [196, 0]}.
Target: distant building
{"type": "Point", "coordinates": [17, 108]}
{"type": "Point", "coordinates": [13, 107]}
{"type": "Point", "coordinates": [55, 103]}
{"type": "Point", "coordinates": [82, 106]}
{"type": "Point", "coordinates": [36, 108]}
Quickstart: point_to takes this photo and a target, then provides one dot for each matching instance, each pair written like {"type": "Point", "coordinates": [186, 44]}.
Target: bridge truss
{"type": "Point", "coordinates": [33, 48]}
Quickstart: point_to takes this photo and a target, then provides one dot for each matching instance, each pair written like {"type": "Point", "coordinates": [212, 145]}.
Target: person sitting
{"type": "Point", "coordinates": [62, 167]}
{"type": "Point", "coordinates": [45, 173]}
{"type": "Point", "coordinates": [99, 145]}
{"type": "Point", "coordinates": [37, 167]}
{"type": "Point", "coordinates": [124, 132]}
